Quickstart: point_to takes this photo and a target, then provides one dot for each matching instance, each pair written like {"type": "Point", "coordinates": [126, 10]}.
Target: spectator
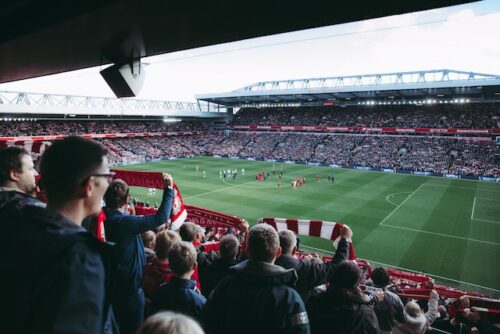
{"type": "Point", "coordinates": [125, 231]}
{"type": "Point", "coordinates": [257, 297]}
{"type": "Point", "coordinates": [391, 307]}
{"type": "Point", "coordinates": [62, 289]}
{"type": "Point", "coordinates": [418, 322]}
{"type": "Point", "coordinates": [188, 232]}
{"type": "Point", "coordinates": [343, 306]}
{"type": "Point", "coordinates": [170, 323]}
{"type": "Point", "coordinates": [180, 293]}
{"type": "Point", "coordinates": [229, 248]}
{"type": "Point", "coordinates": [17, 175]}
{"type": "Point", "coordinates": [149, 241]}
{"type": "Point", "coordinates": [310, 273]}
{"type": "Point", "coordinates": [158, 271]}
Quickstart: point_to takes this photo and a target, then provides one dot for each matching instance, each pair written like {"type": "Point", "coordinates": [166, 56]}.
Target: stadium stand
{"type": "Point", "coordinates": [465, 116]}
{"type": "Point", "coordinates": [49, 128]}
{"type": "Point", "coordinates": [441, 155]}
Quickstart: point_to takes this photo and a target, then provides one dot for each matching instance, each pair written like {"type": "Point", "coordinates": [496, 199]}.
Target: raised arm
{"type": "Point", "coordinates": [139, 224]}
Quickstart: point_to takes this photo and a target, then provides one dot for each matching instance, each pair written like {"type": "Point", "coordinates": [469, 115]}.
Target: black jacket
{"type": "Point", "coordinates": [214, 273]}
{"type": "Point", "coordinates": [257, 297]}
{"type": "Point", "coordinates": [313, 274]}
{"type": "Point", "coordinates": [53, 272]}
{"type": "Point", "coordinates": [179, 295]}
{"type": "Point", "coordinates": [8, 195]}
{"type": "Point", "coordinates": [330, 314]}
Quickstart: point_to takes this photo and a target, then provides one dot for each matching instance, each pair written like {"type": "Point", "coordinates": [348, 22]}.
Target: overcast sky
{"type": "Point", "coordinates": [460, 37]}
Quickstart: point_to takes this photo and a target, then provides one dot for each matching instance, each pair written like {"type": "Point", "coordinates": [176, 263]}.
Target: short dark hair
{"type": "Point", "coordinates": [229, 246]}
{"type": "Point", "coordinates": [346, 275]}
{"type": "Point", "coordinates": [288, 240]}
{"type": "Point", "coordinates": [187, 231]}
{"type": "Point", "coordinates": [116, 194]}
{"type": "Point", "coordinates": [164, 242]}
{"type": "Point", "coordinates": [67, 163]}
{"type": "Point", "coordinates": [262, 243]}
{"type": "Point", "coordinates": [182, 257]}
{"type": "Point", "coordinates": [10, 159]}
{"type": "Point", "coordinates": [380, 277]}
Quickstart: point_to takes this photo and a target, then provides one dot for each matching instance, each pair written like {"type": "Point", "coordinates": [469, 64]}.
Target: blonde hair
{"type": "Point", "coordinates": [182, 257]}
{"type": "Point", "coordinates": [170, 323]}
{"type": "Point", "coordinates": [164, 242]}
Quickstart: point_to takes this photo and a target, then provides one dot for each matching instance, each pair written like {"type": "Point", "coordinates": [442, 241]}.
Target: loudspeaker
{"type": "Point", "coordinates": [124, 80]}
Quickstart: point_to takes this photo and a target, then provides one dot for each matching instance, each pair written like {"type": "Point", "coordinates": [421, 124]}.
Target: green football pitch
{"type": "Point", "coordinates": [449, 229]}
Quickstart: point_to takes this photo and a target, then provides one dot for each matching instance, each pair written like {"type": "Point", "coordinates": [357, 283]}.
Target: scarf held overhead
{"type": "Point", "coordinates": [155, 180]}
{"type": "Point", "coordinates": [312, 228]}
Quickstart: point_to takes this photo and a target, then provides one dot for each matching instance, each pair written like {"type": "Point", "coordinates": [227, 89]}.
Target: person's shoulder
{"type": "Point", "coordinates": [225, 283]}
{"type": "Point", "coordinates": [391, 295]}
{"type": "Point", "coordinates": [197, 297]}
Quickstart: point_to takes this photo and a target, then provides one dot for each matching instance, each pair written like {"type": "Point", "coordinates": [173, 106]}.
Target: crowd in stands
{"type": "Point", "coordinates": [425, 154]}
{"type": "Point", "coordinates": [466, 116]}
{"type": "Point", "coordinates": [49, 127]}
{"type": "Point", "coordinates": [87, 275]}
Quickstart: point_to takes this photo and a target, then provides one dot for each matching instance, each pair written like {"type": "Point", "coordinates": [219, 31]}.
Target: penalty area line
{"type": "Point", "coordinates": [443, 235]}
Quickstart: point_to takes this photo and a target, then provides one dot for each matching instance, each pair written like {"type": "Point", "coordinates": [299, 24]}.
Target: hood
{"type": "Point", "coordinates": [263, 271]}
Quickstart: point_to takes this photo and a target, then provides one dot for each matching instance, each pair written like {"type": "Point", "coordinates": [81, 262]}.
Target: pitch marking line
{"type": "Point", "coordinates": [220, 189]}
{"type": "Point", "coordinates": [406, 269]}
{"type": "Point", "coordinates": [474, 206]}
{"type": "Point", "coordinates": [443, 235]}
{"type": "Point", "coordinates": [488, 199]}
{"type": "Point", "coordinates": [401, 204]}
{"type": "Point", "coordinates": [393, 194]}
{"type": "Point", "coordinates": [459, 187]}
{"type": "Point", "coordinates": [488, 221]}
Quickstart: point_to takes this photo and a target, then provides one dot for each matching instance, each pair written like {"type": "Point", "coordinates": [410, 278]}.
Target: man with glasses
{"type": "Point", "coordinates": [125, 231]}
{"type": "Point", "coordinates": [56, 282]}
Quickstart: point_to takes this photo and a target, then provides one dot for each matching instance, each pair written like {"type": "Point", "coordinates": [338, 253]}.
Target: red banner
{"type": "Point", "coordinates": [100, 135]}
{"type": "Point", "coordinates": [201, 216]}
{"type": "Point", "coordinates": [140, 179]}
{"type": "Point", "coordinates": [362, 129]}
{"type": "Point", "coordinates": [205, 217]}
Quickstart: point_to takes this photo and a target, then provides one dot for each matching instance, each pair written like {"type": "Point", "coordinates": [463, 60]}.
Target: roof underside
{"type": "Point", "coordinates": [41, 37]}
{"type": "Point", "coordinates": [443, 84]}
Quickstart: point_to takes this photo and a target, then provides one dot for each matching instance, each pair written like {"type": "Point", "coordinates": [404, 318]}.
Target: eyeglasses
{"type": "Point", "coordinates": [109, 176]}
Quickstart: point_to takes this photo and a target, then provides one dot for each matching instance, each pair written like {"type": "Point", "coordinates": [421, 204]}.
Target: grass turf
{"type": "Point", "coordinates": [449, 229]}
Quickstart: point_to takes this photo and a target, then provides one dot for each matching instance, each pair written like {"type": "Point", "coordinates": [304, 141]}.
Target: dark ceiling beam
{"type": "Point", "coordinates": [41, 37]}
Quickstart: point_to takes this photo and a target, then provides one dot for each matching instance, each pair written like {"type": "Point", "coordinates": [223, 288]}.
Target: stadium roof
{"type": "Point", "coordinates": [41, 37]}
{"type": "Point", "coordinates": [443, 84]}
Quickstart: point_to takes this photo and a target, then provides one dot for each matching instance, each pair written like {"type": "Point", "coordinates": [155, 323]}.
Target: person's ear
{"type": "Point", "coordinates": [278, 252]}
{"type": "Point", "coordinates": [88, 187]}
{"type": "Point", "coordinates": [294, 250]}
{"type": "Point", "coordinates": [195, 266]}
{"type": "Point", "coordinates": [14, 175]}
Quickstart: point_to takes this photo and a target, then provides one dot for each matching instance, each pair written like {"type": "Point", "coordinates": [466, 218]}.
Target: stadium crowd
{"type": "Point", "coordinates": [80, 127]}
{"type": "Point", "coordinates": [83, 277]}
{"type": "Point", "coordinates": [465, 116]}
{"type": "Point", "coordinates": [424, 154]}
